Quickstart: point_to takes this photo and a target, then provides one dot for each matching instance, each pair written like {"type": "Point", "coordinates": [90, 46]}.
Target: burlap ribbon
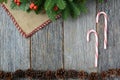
{"type": "Point", "coordinates": [27, 23]}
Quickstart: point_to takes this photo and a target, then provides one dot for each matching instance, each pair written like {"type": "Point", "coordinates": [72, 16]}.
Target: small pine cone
{"type": "Point", "coordinates": [94, 76]}
{"type": "Point", "coordinates": [103, 75]}
{"type": "Point", "coordinates": [118, 72]}
{"type": "Point", "coordinates": [112, 72]}
{"type": "Point", "coordinates": [29, 73]}
{"type": "Point", "coordinates": [72, 74]}
{"type": "Point", "coordinates": [50, 75]}
{"type": "Point", "coordinates": [82, 75]}
{"type": "Point", "coordinates": [1, 74]}
{"type": "Point", "coordinates": [60, 74]}
{"type": "Point", "coordinates": [19, 74]}
{"type": "Point", "coordinates": [40, 74]}
{"type": "Point", "coordinates": [8, 76]}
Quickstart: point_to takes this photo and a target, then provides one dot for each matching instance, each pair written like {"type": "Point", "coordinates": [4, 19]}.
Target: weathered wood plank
{"type": "Point", "coordinates": [78, 54]}
{"type": "Point", "coordinates": [47, 48]}
{"type": "Point", "coordinates": [14, 49]}
{"type": "Point", "coordinates": [110, 58]}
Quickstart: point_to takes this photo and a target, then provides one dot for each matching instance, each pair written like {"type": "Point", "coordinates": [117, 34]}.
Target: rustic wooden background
{"type": "Point", "coordinates": [62, 44]}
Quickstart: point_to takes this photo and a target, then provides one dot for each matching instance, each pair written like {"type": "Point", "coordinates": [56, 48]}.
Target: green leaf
{"type": "Point", "coordinates": [61, 4]}
{"type": "Point", "coordinates": [1, 1]}
{"type": "Point", "coordinates": [24, 1]}
{"type": "Point", "coordinates": [52, 15]}
{"type": "Point", "coordinates": [13, 5]}
{"type": "Point", "coordinates": [65, 13]}
{"type": "Point", "coordinates": [49, 4]}
{"type": "Point", "coordinates": [23, 6]}
{"type": "Point", "coordinates": [75, 10]}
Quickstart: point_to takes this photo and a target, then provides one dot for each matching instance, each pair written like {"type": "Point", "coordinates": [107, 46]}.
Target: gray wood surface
{"type": "Point", "coordinates": [47, 48]}
{"type": "Point", "coordinates": [14, 49]}
{"type": "Point", "coordinates": [110, 58]}
{"type": "Point", "coordinates": [63, 44]}
{"type": "Point", "coordinates": [78, 54]}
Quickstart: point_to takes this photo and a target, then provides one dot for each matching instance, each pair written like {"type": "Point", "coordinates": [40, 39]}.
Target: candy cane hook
{"type": "Point", "coordinates": [105, 27]}
{"type": "Point", "coordinates": [96, 45]}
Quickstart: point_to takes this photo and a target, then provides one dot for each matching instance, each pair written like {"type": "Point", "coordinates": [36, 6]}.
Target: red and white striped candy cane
{"type": "Point", "coordinates": [96, 45]}
{"type": "Point", "coordinates": [105, 27]}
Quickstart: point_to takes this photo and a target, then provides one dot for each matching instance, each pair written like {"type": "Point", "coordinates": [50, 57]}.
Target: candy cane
{"type": "Point", "coordinates": [96, 45]}
{"type": "Point", "coordinates": [105, 27]}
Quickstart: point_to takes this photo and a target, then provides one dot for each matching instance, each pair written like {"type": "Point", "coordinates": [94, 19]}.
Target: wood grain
{"type": "Point", "coordinates": [62, 45]}
{"type": "Point", "coordinates": [47, 48]}
{"type": "Point", "coordinates": [110, 58]}
{"type": "Point", "coordinates": [78, 54]}
{"type": "Point", "coordinates": [14, 49]}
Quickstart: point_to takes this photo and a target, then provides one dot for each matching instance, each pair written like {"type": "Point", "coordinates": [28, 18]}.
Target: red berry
{"type": "Point", "coordinates": [35, 7]}
{"type": "Point", "coordinates": [32, 5]}
{"type": "Point", "coordinates": [15, 1]}
{"type": "Point", "coordinates": [18, 0]}
{"type": "Point", "coordinates": [55, 8]}
{"type": "Point", "coordinates": [18, 3]}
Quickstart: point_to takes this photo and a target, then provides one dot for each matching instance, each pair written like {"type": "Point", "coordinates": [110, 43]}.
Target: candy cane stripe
{"type": "Point", "coordinates": [105, 27]}
{"type": "Point", "coordinates": [96, 45]}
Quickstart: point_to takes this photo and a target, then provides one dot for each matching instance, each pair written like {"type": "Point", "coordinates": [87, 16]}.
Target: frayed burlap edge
{"type": "Point", "coordinates": [23, 33]}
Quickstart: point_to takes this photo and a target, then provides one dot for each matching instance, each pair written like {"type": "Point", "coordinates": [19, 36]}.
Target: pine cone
{"type": "Point", "coordinates": [60, 74]}
{"type": "Point", "coordinates": [1, 74]}
{"type": "Point", "coordinates": [29, 73]}
{"type": "Point", "coordinates": [104, 75]}
{"type": "Point", "coordinates": [8, 76]}
{"type": "Point", "coordinates": [50, 75]}
{"type": "Point", "coordinates": [71, 74]}
{"type": "Point", "coordinates": [94, 76]}
{"type": "Point", "coordinates": [82, 75]}
{"type": "Point", "coordinates": [19, 74]}
{"type": "Point", "coordinates": [118, 72]}
{"type": "Point", "coordinates": [112, 72]}
{"type": "Point", "coordinates": [40, 74]}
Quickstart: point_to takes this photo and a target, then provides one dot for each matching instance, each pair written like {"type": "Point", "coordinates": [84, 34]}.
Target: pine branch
{"type": "Point", "coordinates": [61, 4]}
{"type": "Point", "coordinates": [52, 8]}
{"type": "Point", "coordinates": [1, 1]}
